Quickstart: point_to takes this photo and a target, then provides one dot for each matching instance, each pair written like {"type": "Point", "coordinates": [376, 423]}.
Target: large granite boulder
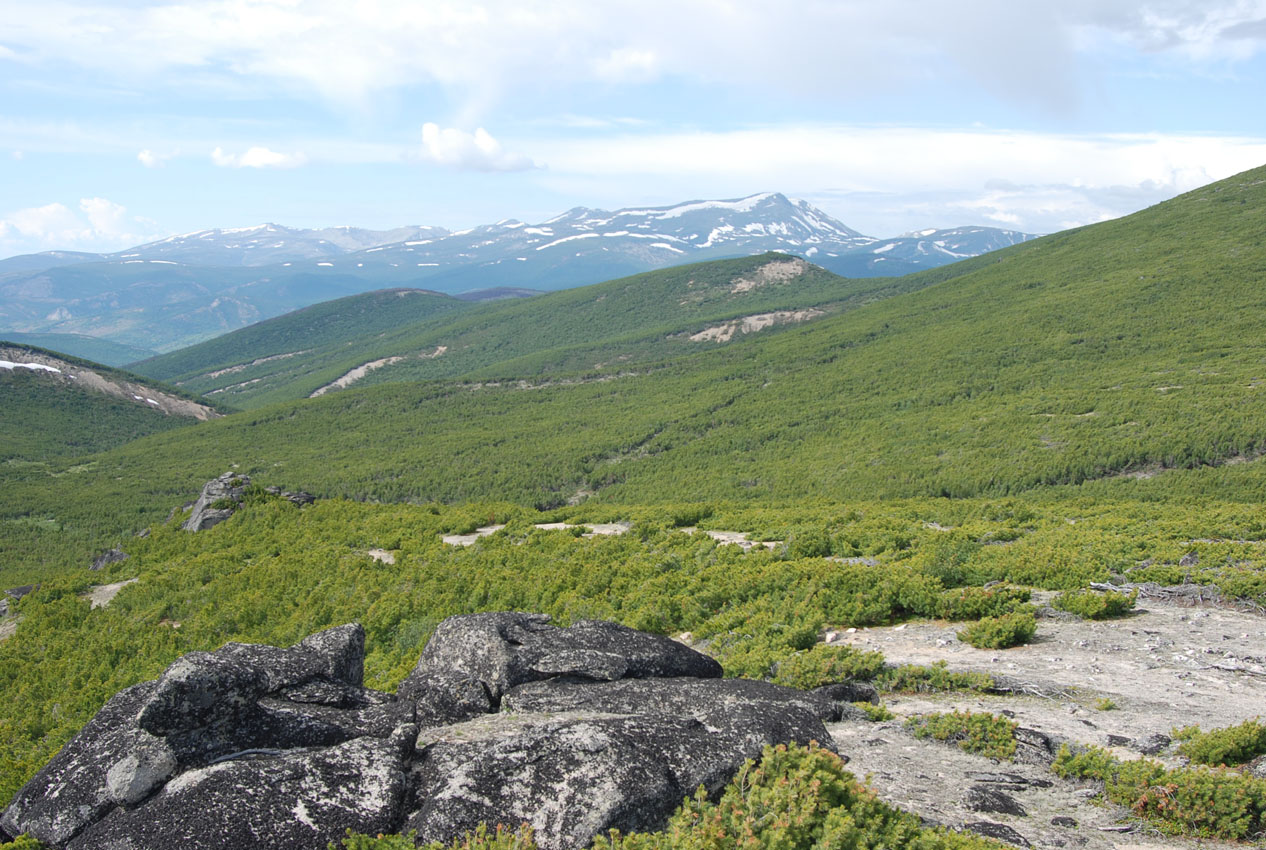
{"type": "Point", "coordinates": [509, 648]}
{"type": "Point", "coordinates": [303, 799]}
{"type": "Point", "coordinates": [506, 719]}
{"type": "Point", "coordinates": [219, 498]}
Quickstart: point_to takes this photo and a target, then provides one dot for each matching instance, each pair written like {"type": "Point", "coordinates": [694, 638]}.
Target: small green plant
{"type": "Point", "coordinates": [1000, 632]}
{"type": "Point", "coordinates": [1232, 745]}
{"type": "Point", "coordinates": [1205, 802]}
{"type": "Point", "coordinates": [1105, 704]}
{"type": "Point", "coordinates": [875, 713]}
{"type": "Point", "coordinates": [482, 838]}
{"type": "Point", "coordinates": [914, 678]}
{"type": "Point", "coordinates": [1093, 605]}
{"type": "Point", "coordinates": [22, 842]}
{"type": "Point", "coordinates": [979, 732]}
{"type": "Point", "coordinates": [226, 504]}
{"type": "Point", "coordinates": [826, 665]}
{"type": "Point", "coordinates": [972, 603]}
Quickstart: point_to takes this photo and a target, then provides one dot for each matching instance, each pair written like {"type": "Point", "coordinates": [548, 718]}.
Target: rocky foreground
{"type": "Point", "coordinates": [505, 719]}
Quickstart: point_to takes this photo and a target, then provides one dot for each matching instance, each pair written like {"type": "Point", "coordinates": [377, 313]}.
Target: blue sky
{"type": "Point", "coordinates": [126, 121]}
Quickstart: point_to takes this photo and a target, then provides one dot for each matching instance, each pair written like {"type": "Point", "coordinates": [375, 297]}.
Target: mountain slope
{"type": "Point", "coordinates": [78, 345]}
{"type": "Point", "coordinates": [606, 328]}
{"type": "Point", "coordinates": [1100, 356]}
{"type": "Point", "coordinates": [184, 289]}
{"type": "Point", "coordinates": [56, 406]}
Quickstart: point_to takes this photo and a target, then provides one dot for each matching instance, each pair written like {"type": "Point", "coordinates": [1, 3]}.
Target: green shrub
{"type": "Point", "coordinates": [796, 798]}
{"type": "Point", "coordinates": [826, 665]}
{"type": "Point", "coordinates": [980, 732]}
{"type": "Point", "coordinates": [1105, 704]}
{"type": "Point", "coordinates": [972, 603]}
{"type": "Point", "coordinates": [22, 842]}
{"type": "Point", "coordinates": [1232, 745]}
{"type": "Point", "coordinates": [875, 713]}
{"type": "Point", "coordinates": [1205, 802]}
{"type": "Point", "coordinates": [914, 678]}
{"type": "Point", "coordinates": [500, 838]}
{"type": "Point", "coordinates": [1093, 605]}
{"type": "Point", "coordinates": [1000, 632]}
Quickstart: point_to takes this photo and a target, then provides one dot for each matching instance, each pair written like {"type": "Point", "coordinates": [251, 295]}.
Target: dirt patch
{"type": "Point", "coordinates": [382, 556]}
{"type": "Point", "coordinates": [596, 529]}
{"type": "Point", "coordinates": [231, 370]}
{"type": "Point", "coordinates": [8, 626]}
{"type": "Point", "coordinates": [735, 538]}
{"type": "Point", "coordinates": [751, 324]}
{"type": "Point", "coordinates": [469, 539]}
{"type": "Point", "coordinates": [101, 595]}
{"type": "Point", "coordinates": [354, 375]}
{"type": "Point", "coordinates": [1170, 664]}
{"type": "Point", "coordinates": [775, 271]}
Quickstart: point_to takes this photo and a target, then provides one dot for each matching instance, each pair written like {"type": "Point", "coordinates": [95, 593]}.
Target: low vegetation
{"type": "Point", "coordinates": [975, 732]}
{"type": "Point", "coordinates": [1095, 605]}
{"type": "Point", "coordinates": [1204, 802]}
{"type": "Point", "coordinates": [1229, 746]}
{"type": "Point", "coordinates": [1000, 632]}
{"type": "Point", "coordinates": [826, 665]}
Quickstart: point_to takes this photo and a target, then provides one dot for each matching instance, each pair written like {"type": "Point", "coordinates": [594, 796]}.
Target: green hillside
{"type": "Point", "coordinates": [606, 327]}
{"type": "Point", "coordinates": [102, 351]}
{"type": "Point", "coordinates": [330, 330]}
{"type": "Point", "coordinates": [1097, 357]}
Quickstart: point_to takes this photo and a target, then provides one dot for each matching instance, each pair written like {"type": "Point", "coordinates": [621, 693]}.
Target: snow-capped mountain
{"type": "Point", "coordinates": [189, 287]}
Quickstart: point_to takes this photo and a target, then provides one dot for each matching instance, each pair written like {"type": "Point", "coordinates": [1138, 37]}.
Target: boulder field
{"type": "Point", "coordinates": [505, 719]}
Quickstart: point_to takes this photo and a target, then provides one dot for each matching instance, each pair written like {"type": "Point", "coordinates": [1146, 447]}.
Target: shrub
{"type": "Point", "coordinates": [1205, 802]}
{"type": "Point", "coordinates": [980, 732]}
{"type": "Point", "coordinates": [1093, 605]}
{"type": "Point", "coordinates": [1105, 704]}
{"type": "Point", "coordinates": [913, 678]}
{"type": "Point", "coordinates": [826, 665]}
{"type": "Point", "coordinates": [875, 713]}
{"type": "Point", "coordinates": [1232, 745]}
{"type": "Point", "coordinates": [972, 603]}
{"type": "Point", "coordinates": [500, 838]}
{"type": "Point", "coordinates": [1000, 632]}
{"type": "Point", "coordinates": [22, 842]}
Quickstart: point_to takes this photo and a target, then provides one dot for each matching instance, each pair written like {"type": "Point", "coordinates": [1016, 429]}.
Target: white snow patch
{"type": "Point", "coordinates": [9, 364]}
{"type": "Point", "coordinates": [566, 239]}
{"type": "Point", "coordinates": [884, 248]}
{"type": "Point", "coordinates": [740, 205]}
{"type": "Point", "coordinates": [539, 231]}
{"type": "Point", "coordinates": [666, 245]}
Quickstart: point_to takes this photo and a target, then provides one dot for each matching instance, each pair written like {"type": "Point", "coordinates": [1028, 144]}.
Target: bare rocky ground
{"type": "Point", "coordinates": [1167, 665]}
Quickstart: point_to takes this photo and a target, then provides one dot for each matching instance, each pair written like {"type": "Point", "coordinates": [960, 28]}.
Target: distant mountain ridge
{"type": "Point", "coordinates": [183, 289]}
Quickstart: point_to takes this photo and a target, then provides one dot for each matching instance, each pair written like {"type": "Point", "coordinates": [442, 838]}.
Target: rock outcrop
{"type": "Point", "coordinates": [221, 497]}
{"type": "Point", "coordinates": [507, 719]}
{"type": "Point", "coordinates": [110, 556]}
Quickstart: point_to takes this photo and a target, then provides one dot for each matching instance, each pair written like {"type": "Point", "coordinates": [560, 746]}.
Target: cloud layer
{"type": "Point", "coordinates": [97, 224]}
{"type": "Point", "coordinates": [477, 151]}
{"type": "Point", "coordinates": [480, 53]}
{"type": "Point", "coordinates": [256, 157]}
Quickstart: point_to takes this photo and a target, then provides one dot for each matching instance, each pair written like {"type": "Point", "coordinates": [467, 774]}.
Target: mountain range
{"type": "Point", "coordinates": [184, 289]}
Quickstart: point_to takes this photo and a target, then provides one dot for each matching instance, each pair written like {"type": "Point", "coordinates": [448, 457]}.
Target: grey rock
{"type": "Point", "coordinates": [295, 801]}
{"type": "Point", "coordinates": [850, 691]}
{"type": "Point", "coordinates": [224, 491]}
{"type": "Point", "coordinates": [110, 556]}
{"type": "Point", "coordinates": [752, 714]}
{"type": "Point", "coordinates": [571, 776]}
{"type": "Point", "coordinates": [992, 801]}
{"type": "Point", "coordinates": [1064, 821]}
{"type": "Point", "coordinates": [999, 831]}
{"type": "Point", "coordinates": [508, 648]}
{"type": "Point", "coordinates": [298, 499]}
{"type": "Point", "coordinates": [1152, 744]}
{"type": "Point", "coordinates": [19, 592]}
{"type": "Point", "coordinates": [91, 774]}
{"type": "Point", "coordinates": [441, 698]}
{"type": "Point", "coordinates": [1033, 747]}
{"type": "Point", "coordinates": [1256, 767]}
{"type": "Point", "coordinates": [4, 607]}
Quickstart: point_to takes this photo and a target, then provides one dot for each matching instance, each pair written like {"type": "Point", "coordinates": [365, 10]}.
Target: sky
{"type": "Point", "coordinates": [126, 121]}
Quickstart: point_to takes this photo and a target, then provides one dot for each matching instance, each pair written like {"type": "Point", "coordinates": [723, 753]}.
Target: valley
{"type": "Point", "coordinates": [781, 468]}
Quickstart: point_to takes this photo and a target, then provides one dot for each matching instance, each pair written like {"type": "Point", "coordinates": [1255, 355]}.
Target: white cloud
{"type": "Point", "coordinates": [477, 151]}
{"type": "Point", "coordinates": [479, 53]}
{"type": "Point", "coordinates": [98, 224]}
{"type": "Point", "coordinates": [257, 157]}
{"type": "Point", "coordinates": [149, 159]}
{"type": "Point", "coordinates": [886, 180]}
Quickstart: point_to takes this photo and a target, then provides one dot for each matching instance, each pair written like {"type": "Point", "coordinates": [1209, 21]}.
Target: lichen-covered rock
{"type": "Point", "coordinates": [92, 773]}
{"type": "Point", "coordinates": [441, 698]}
{"type": "Point", "coordinates": [508, 648]}
{"type": "Point", "coordinates": [110, 556]}
{"type": "Point", "coordinates": [571, 776]}
{"type": "Point", "coordinates": [752, 713]}
{"type": "Point", "coordinates": [219, 498]}
{"type": "Point", "coordinates": [293, 801]}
